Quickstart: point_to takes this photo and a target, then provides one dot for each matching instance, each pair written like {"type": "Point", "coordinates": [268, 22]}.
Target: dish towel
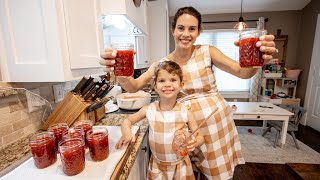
{"type": "Point", "coordinates": [93, 170]}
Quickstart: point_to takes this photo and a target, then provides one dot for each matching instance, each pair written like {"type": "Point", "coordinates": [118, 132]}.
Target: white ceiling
{"type": "Point", "coordinates": [234, 6]}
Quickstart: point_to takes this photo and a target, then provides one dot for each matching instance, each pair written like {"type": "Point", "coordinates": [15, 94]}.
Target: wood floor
{"type": "Point", "coordinates": [262, 171]}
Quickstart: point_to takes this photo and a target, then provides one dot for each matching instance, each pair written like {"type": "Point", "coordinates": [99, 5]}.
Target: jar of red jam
{"type": "Point", "coordinates": [98, 143]}
{"type": "Point", "coordinates": [58, 129]}
{"type": "Point", "coordinates": [73, 132]}
{"type": "Point", "coordinates": [179, 142]}
{"type": "Point", "coordinates": [72, 156]}
{"type": "Point", "coordinates": [250, 56]}
{"type": "Point", "coordinates": [43, 149]}
{"type": "Point", "coordinates": [86, 125]}
{"type": "Point", "coordinates": [124, 61]}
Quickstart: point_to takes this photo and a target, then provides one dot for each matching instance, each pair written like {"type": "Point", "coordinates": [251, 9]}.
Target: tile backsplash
{"type": "Point", "coordinates": [20, 116]}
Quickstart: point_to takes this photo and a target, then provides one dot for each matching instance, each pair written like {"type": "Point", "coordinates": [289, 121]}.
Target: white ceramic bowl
{"type": "Point", "coordinates": [133, 101]}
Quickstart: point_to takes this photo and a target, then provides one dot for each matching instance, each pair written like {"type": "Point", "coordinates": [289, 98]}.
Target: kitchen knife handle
{"type": "Point", "coordinates": [88, 87]}
{"type": "Point", "coordinates": [89, 94]}
{"type": "Point", "coordinates": [100, 91]}
{"type": "Point", "coordinates": [81, 83]}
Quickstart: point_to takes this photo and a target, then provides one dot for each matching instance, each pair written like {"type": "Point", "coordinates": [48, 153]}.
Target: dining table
{"type": "Point", "coordinates": [263, 111]}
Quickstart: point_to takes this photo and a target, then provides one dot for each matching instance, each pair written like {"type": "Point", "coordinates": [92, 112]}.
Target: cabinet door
{"type": "Point", "coordinates": [83, 32]}
{"type": "Point", "coordinates": [158, 29]}
{"type": "Point", "coordinates": [31, 41]}
{"type": "Point", "coordinates": [142, 57]}
{"type": "Point", "coordinates": [139, 169]}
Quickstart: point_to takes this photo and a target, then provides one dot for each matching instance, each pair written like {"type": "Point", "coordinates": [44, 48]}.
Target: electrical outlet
{"type": "Point", "coordinates": [58, 92]}
{"type": "Point", "coordinates": [34, 101]}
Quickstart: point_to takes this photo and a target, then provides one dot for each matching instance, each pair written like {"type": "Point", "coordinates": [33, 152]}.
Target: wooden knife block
{"type": "Point", "coordinates": [72, 109]}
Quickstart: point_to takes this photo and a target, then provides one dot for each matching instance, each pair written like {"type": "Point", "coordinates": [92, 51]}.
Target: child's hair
{"type": "Point", "coordinates": [170, 66]}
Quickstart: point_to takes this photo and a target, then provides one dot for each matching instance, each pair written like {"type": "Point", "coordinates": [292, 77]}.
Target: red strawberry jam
{"type": "Point", "coordinates": [43, 149]}
{"type": "Point", "coordinates": [72, 155]}
{"type": "Point", "coordinates": [98, 144]}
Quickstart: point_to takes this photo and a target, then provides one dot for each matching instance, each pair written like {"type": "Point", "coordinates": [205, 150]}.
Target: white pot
{"type": "Point", "coordinates": [133, 101]}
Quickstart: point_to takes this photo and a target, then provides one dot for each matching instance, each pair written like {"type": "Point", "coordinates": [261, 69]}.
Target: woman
{"type": "Point", "coordinates": [221, 151]}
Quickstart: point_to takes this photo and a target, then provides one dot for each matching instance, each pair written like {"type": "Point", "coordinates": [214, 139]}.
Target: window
{"type": "Point", "coordinates": [224, 41]}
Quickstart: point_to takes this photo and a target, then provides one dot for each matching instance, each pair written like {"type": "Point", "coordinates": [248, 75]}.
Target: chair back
{"type": "Point", "coordinates": [297, 113]}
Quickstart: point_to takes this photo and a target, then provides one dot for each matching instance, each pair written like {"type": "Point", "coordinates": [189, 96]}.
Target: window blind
{"type": "Point", "coordinates": [224, 41]}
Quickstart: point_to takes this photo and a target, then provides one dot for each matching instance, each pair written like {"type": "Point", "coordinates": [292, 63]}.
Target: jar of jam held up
{"type": "Point", "coordinates": [179, 143]}
{"type": "Point", "coordinates": [73, 132]}
{"type": "Point", "coordinates": [98, 143]}
{"type": "Point", "coordinates": [43, 149]}
{"type": "Point", "coordinates": [250, 56]}
{"type": "Point", "coordinates": [72, 156]}
{"type": "Point", "coordinates": [124, 61]}
{"type": "Point", "coordinates": [58, 129]}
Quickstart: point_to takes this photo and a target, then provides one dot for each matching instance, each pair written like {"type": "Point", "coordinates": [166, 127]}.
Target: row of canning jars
{"type": "Point", "coordinates": [70, 143]}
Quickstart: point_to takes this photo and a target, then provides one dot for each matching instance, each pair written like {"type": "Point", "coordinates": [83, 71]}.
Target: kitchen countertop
{"type": "Point", "coordinates": [4, 92]}
{"type": "Point", "coordinates": [13, 155]}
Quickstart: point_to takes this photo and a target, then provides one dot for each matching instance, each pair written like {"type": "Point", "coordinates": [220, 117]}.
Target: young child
{"type": "Point", "coordinates": [165, 117]}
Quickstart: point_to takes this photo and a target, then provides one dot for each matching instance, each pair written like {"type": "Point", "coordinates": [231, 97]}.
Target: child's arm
{"type": "Point", "coordinates": [127, 135]}
{"type": "Point", "coordinates": [198, 140]}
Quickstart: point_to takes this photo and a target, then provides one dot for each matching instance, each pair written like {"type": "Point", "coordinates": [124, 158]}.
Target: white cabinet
{"type": "Point", "coordinates": [49, 41]}
{"type": "Point", "coordinates": [137, 15]}
{"type": "Point", "coordinates": [139, 169]}
{"type": "Point", "coordinates": [158, 29]}
{"type": "Point", "coordinates": [143, 52]}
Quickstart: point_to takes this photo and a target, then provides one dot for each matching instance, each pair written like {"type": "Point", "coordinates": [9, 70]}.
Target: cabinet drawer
{"type": "Point", "coordinates": [257, 117]}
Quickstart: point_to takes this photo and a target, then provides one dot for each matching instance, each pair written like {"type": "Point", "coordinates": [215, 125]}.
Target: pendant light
{"type": "Point", "coordinates": [241, 25]}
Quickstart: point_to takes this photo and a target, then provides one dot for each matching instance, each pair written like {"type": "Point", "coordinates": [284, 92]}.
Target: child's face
{"type": "Point", "coordinates": [167, 85]}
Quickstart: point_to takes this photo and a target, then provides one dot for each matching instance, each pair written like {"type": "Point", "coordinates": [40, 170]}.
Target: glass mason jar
{"type": "Point", "coordinates": [43, 149]}
{"type": "Point", "coordinates": [179, 142]}
{"type": "Point", "coordinates": [124, 64]}
{"type": "Point", "coordinates": [58, 129]}
{"type": "Point", "coordinates": [98, 143]}
{"type": "Point", "coordinates": [72, 156]}
{"type": "Point", "coordinates": [250, 56]}
{"type": "Point", "coordinates": [86, 125]}
{"type": "Point", "coordinates": [73, 132]}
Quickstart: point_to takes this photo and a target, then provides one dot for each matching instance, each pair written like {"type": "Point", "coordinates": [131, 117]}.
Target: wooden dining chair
{"type": "Point", "coordinates": [292, 125]}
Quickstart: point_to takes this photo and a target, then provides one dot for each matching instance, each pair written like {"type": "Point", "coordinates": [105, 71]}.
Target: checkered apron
{"type": "Point", "coordinates": [164, 163]}
{"type": "Point", "coordinates": [221, 152]}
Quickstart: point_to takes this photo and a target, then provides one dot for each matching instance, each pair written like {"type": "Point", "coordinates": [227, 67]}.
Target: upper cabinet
{"type": "Point", "coordinates": [49, 41]}
{"type": "Point", "coordinates": [134, 10]}
{"type": "Point", "coordinates": [158, 29]}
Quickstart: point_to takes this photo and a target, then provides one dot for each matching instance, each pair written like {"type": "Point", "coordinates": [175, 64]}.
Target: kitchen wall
{"type": "Point", "coordinates": [305, 47]}
{"type": "Point", "coordinates": [16, 120]}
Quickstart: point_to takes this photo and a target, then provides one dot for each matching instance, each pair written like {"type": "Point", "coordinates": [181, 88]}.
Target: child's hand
{"type": "Point", "coordinates": [125, 139]}
{"type": "Point", "coordinates": [192, 143]}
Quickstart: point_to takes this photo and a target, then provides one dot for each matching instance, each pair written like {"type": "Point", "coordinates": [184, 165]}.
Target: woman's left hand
{"type": "Point", "coordinates": [267, 45]}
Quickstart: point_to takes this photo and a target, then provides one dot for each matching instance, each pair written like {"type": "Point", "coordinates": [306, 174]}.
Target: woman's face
{"type": "Point", "coordinates": [186, 31]}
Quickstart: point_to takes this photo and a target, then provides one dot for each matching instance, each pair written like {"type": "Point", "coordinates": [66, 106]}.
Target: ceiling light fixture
{"type": "Point", "coordinates": [241, 25]}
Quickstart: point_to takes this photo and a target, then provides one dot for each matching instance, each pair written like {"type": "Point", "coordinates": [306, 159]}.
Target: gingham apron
{"type": "Point", "coordinates": [164, 164]}
{"type": "Point", "coordinates": [221, 152]}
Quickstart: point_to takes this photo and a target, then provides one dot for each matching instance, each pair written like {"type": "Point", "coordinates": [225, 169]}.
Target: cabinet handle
{"type": "Point", "coordinates": [146, 61]}
{"type": "Point", "coordinates": [144, 149]}
{"type": "Point", "coordinates": [258, 117]}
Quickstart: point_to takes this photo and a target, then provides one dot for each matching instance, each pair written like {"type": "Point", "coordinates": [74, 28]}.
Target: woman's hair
{"type": "Point", "coordinates": [187, 10]}
{"type": "Point", "coordinates": [170, 66]}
